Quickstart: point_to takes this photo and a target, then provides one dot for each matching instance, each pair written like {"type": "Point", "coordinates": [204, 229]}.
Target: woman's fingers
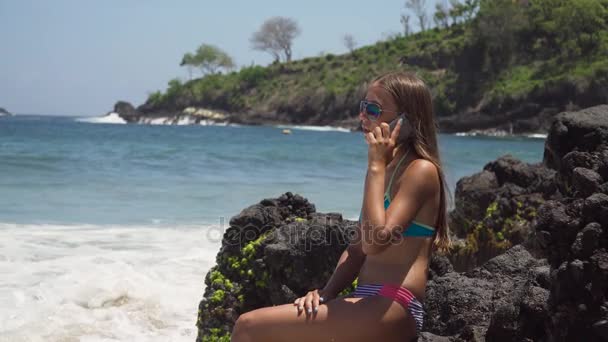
{"type": "Point", "coordinates": [321, 298]}
{"type": "Point", "coordinates": [386, 132]}
{"type": "Point", "coordinates": [378, 133]}
{"type": "Point", "coordinates": [308, 303]}
{"type": "Point", "coordinates": [371, 138]}
{"type": "Point", "coordinates": [315, 302]}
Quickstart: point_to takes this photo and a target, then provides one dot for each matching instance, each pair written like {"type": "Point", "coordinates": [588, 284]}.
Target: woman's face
{"type": "Point", "coordinates": [378, 95]}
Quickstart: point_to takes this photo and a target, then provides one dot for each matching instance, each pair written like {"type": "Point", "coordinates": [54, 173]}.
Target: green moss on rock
{"type": "Point", "coordinates": [350, 288]}
{"type": "Point", "coordinates": [491, 236]}
{"type": "Point", "coordinates": [217, 296]}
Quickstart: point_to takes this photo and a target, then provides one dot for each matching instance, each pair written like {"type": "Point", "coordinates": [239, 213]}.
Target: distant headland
{"type": "Point", "coordinates": [4, 112]}
{"type": "Point", "coordinates": [504, 69]}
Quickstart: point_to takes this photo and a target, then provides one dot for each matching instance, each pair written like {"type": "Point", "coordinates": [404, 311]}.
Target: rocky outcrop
{"type": "Point", "coordinates": [126, 111]}
{"type": "Point", "coordinates": [547, 223]}
{"type": "Point", "coordinates": [503, 300]}
{"type": "Point", "coordinates": [497, 208]}
{"type": "Point", "coordinates": [561, 299]}
{"type": "Point", "coordinates": [573, 231]}
{"type": "Point", "coordinates": [576, 148]}
{"type": "Point", "coordinates": [4, 112]}
{"type": "Point", "coordinates": [272, 252]}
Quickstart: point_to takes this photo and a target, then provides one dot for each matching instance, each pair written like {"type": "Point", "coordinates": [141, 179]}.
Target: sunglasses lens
{"type": "Point", "coordinates": [373, 110]}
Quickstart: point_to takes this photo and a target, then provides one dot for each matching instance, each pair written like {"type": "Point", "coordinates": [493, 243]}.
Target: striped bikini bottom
{"type": "Point", "coordinates": [397, 293]}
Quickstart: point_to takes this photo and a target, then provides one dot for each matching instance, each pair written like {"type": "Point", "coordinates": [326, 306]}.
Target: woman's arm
{"type": "Point", "coordinates": [418, 183]}
{"type": "Point", "coordinates": [347, 269]}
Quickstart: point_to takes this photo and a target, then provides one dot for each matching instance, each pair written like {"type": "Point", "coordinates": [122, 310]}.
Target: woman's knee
{"type": "Point", "coordinates": [243, 328]}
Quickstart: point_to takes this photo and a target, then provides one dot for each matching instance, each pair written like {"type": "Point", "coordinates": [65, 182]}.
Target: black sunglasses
{"type": "Point", "coordinates": [372, 109]}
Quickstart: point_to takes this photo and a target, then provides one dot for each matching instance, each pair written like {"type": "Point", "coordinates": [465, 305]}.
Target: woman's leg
{"type": "Point", "coordinates": [343, 319]}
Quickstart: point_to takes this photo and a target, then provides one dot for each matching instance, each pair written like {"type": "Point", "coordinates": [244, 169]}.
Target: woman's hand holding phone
{"type": "Point", "coordinates": [381, 141]}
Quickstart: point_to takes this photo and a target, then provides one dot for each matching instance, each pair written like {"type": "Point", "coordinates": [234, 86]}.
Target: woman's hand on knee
{"type": "Point", "coordinates": [311, 301]}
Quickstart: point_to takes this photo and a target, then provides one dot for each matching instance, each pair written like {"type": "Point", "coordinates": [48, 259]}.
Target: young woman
{"type": "Point", "coordinates": [399, 226]}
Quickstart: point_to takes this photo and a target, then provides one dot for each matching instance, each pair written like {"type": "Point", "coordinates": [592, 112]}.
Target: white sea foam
{"type": "Point", "coordinates": [181, 121]}
{"type": "Point", "coordinates": [92, 283]}
{"type": "Point", "coordinates": [499, 134]}
{"type": "Point", "coordinates": [156, 121]}
{"type": "Point", "coordinates": [206, 122]}
{"type": "Point", "coordinates": [537, 135]}
{"type": "Point", "coordinates": [110, 118]}
{"type": "Point", "coordinates": [484, 133]}
{"type": "Point", "coordinates": [316, 128]}
{"type": "Point", "coordinates": [185, 120]}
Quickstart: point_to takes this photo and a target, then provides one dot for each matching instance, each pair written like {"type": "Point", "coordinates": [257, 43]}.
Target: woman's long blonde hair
{"type": "Point", "coordinates": [413, 97]}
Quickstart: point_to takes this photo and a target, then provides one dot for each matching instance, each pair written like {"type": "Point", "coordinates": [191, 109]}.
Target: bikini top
{"type": "Point", "coordinates": [415, 228]}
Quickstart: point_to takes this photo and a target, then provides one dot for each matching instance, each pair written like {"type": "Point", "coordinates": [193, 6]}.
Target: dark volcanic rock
{"type": "Point", "coordinates": [533, 177]}
{"type": "Point", "coordinates": [126, 111]}
{"type": "Point", "coordinates": [472, 197]}
{"type": "Point", "coordinates": [496, 208]}
{"type": "Point", "coordinates": [582, 131]}
{"type": "Point", "coordinates": [492, 297]}
{"type": "Point", "coordinates": [585, 181]}
{"type": "Point", "coordinates": [572, 231]}
{"type": "Point", "coordinates": [272, 252]}
{"type": "Point", "coordinates": [561, 300]}
{"type": "Point", "coordinates": [506, 181]}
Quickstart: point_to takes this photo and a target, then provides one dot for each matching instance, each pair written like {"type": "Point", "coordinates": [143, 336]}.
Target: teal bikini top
{"type": "Point", "coordinates": [415, 228]}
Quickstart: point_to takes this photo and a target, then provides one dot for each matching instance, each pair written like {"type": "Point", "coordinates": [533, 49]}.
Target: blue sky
{"type": "Point", "coordinates": [78, 57]}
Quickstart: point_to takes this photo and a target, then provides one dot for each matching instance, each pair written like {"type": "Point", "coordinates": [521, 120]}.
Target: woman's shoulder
{"type": "Point", "coordinates": [423, 165]}
{"type": "Point", "coordinates": [422, 168]}
{"type": "Point", "coordinates": [424, 174]}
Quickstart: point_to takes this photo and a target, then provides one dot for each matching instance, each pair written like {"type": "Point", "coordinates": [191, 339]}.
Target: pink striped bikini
{"type": "Point", "coordinates": [397, 293]}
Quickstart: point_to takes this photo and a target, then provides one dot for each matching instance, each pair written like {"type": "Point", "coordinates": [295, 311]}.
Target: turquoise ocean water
{"type": "Point", "coordinates": [61, 171]}
{"type": "Point", "coordinates": [107, 231]}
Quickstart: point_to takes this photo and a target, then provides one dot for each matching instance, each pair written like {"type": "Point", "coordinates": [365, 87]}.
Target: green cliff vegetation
{"type": "Point", "coordinates": [483, 56]}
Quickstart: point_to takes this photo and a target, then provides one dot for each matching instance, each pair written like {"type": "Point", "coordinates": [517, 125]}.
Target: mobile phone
{"type": "Point", "coordinates": [406, 127]}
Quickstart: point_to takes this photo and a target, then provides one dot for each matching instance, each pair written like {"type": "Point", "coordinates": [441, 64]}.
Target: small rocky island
{"type": "Point", "coordinates": [530, 258]}
{"type": "Point", "coordinates": [4, 112]}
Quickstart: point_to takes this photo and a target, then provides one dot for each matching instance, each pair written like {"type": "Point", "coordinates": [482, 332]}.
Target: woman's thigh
{"type": "Point", "coordinates": [373, 318]}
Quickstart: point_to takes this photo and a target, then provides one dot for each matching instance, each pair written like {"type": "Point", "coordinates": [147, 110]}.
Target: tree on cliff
{"type": "Point", "coordinates": [276, 36]}
{"type": "Point", "coordinates": [578, 24]}
{"type": "Point", "coordinates": [441, 16]}
{"type": "Point", "coordinates": [566, 28]}
{"type": "Point", "coordinates": [463, 11]}
{"type": "Point", "coordinates": [349, 42]}
{"type": "Point", "coordinates": [405, 21]}
{"type": "Point", "coordinates": [210, 59]}
{"type": "Point", "coordinates": [419, 9]}
{"type": "Point", "coordinates": [189, 62]}
{"type": "Point", "coordinates": [498, 27]}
